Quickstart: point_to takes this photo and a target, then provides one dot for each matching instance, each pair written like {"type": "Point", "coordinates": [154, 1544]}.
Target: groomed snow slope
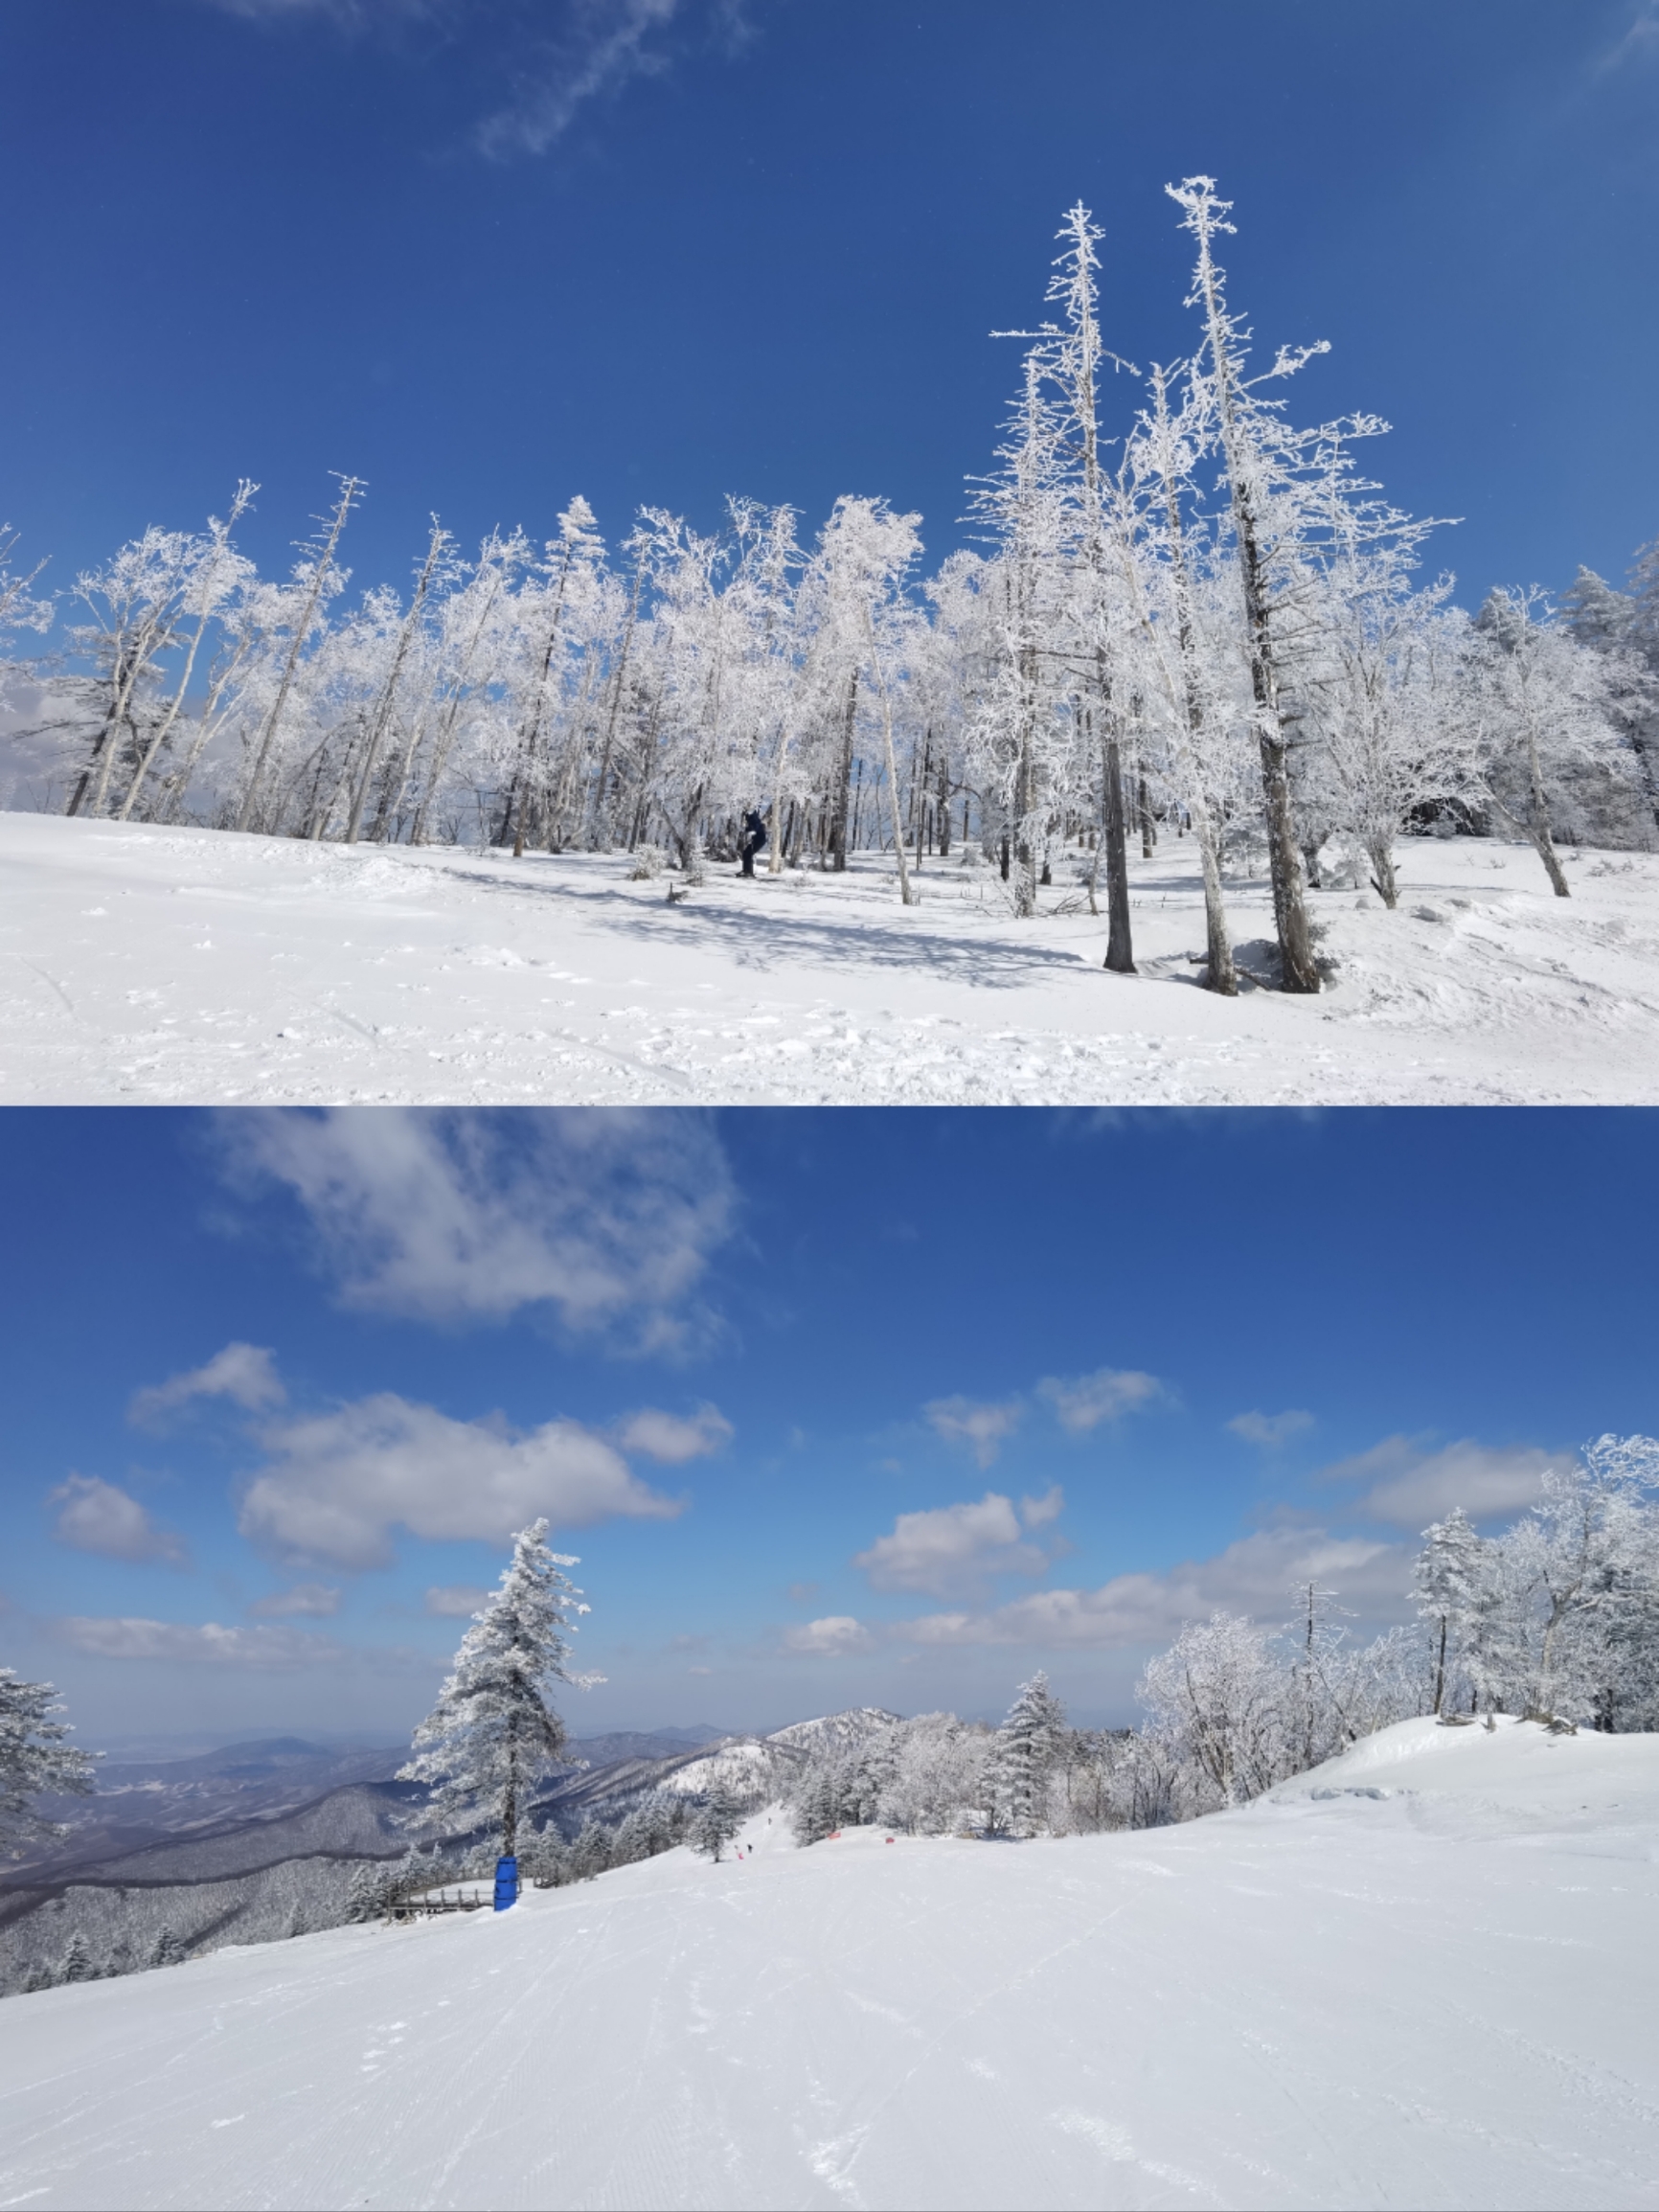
{"type": "Point", "coordinates": [148, 966]}
{"type": "Point", "coordinates": [1442, 1997]}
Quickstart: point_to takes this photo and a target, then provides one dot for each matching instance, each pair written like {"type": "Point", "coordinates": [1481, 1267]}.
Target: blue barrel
{"type": "Point", "coordinates": [506, 1883]}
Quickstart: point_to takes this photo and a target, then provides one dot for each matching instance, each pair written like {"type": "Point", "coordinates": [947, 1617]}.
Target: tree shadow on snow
{"type": "Point", "coordinates": [755, 938]}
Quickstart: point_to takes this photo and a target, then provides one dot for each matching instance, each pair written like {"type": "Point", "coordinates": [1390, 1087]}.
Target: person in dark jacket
{"type": "Point", "coordinates": [754, 838]}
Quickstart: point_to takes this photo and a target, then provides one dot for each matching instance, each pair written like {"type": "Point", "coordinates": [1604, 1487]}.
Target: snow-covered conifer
{"type": "Point", "coordinates": [717, 1823]}
{"type": "Point", "coordinates": [35, 1755]}
{"type": "Point", "coordinates": [1025, 1752]}
{"type": "Point", "coordinates": [591, 1854]}
{"type": "Point", "coordinates": [1448, 1579]}
{"type": "Point", "coordinates": [493, 1731]}
{"type": "Point", "coordinates": [77, 1962]}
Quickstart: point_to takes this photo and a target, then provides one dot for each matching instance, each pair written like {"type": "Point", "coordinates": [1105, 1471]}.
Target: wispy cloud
{"type": "Point", "coordinates": [245, 1374]}
{"type": "Point", "coordinates": [1272, 1429]}
{"type": "Point", "coordinates": [309, 1601]}
{"type": "Point", "coordinates": [1637, 44]}
{"type": "Point", "coordinates": [603, 45]}
{"type": "Point", "coordinates": [557, 58]}
{"type": "Point", "coordinates": [1083, 1402]}
{"type": "Point", "coordinates": [605, 1219]}
{"type": "Point", "coordinates": [968, 1421]}
{"type": "Point", "coordinates": [93, 1516]}
{"type": "Point", "coordinates": [208, 1645]}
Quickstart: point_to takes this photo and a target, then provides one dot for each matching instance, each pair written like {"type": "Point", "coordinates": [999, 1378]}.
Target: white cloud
{"type": "Point", "coordinates": [954, 1547]}
{"type": "Point", "coordinates": [980, 1426]}
{"type": "Point", "coordinates": [95, 1516]}
{"type": "Point", "coordinates": [668, 1438]}
{"type": "Point", "coordinates": [315, 1601]}
{"type": "Point", "coordinates": [1272, 1429]}
{"type": "Point", "coordinates": [1411, 1486]}
{"type": "Point", "coordinates": [605, 43]}
{"type": "Point", "coordinates": [209, 1646]}
{"type": "Point", "coordinates": [246, 1374]}
{"type": "Point", "coordinates": [1255, 1576]}
{"type": "Point", "coordinates": [834, 1637]}
{"type": "Point", "coordinates": [1083, 1402]}
{"type": "Point", "coordinates": [606, 1217]}
{"type": "Point", "coordinates": [340, 1482]}
{"type": "Point", "coordinates": [456, 1601]}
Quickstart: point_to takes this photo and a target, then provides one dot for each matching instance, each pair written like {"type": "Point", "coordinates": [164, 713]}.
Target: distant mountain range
{"type": "Point", "coordinates": [241, 1843]}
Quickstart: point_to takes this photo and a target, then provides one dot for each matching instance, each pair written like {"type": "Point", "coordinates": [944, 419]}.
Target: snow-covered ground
{"type": "Point", "coordinates": [145, 966]}
{"type": "Point", "coordinates": [1432, 1988]}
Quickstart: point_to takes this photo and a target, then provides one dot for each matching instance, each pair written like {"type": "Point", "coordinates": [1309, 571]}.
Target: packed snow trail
{"type": "Point", "coordinates": [1441, 1994]}
{"type": "Point", "coordinates": [143, 965]}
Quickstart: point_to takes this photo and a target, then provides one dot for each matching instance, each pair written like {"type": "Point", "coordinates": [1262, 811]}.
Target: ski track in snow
{"type": "Point", "coordinates": [1441, 1995]}
{"type": "Point", "coordinates": [145, 966]}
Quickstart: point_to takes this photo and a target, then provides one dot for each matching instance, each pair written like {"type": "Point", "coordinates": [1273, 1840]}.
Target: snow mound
{"type": "Point", "coordinates": [1518, 1767]}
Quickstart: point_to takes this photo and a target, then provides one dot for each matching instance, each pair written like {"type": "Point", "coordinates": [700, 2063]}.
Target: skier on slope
{"type": "Point", "coordinates": [754, 837]}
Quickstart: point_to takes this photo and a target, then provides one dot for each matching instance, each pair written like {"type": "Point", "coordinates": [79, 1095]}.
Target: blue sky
{"type": "Point", "coordinates": [835, 1408]}
{"type": "Point", "coordinates": [486, 253]}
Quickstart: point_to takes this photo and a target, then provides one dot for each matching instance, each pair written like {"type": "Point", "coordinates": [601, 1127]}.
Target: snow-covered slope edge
{"type": "Point", "coordinates": [1441, 1997]}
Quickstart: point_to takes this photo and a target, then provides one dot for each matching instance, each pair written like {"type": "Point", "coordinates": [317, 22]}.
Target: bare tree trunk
{"type": "Point", "coordinates": [1120, 950]}
{"type": "Point", "coordinates": [904, 891]}
{"type": "Point", "coordinates": [843, 793]}
{"type": "Point", "coordinates": [1538, 825]}
{"type": "Point", "coordinates": [1383, 880]}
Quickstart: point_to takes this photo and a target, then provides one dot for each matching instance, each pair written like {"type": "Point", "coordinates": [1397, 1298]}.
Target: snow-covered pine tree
{"type": "Point", "coordinates": [1024, 1754]}
{"type": "Point", "coordinates": [717, 1822]}
{"type": "Point", "coordinates": [366, 1893]}
{"type": "Point", "coordinates": [493, 1731]}
{"type": "Point", "coordinates": [34, 1756]}
{"type": "Point", "coordinates": [1446, 1579]}
{"type": "Point", "coordinates": [167, 1949]}
{"type": "Point", "coordinates": [591, 1852]}
{"type": "Point", "coordinates": [78, 1963]}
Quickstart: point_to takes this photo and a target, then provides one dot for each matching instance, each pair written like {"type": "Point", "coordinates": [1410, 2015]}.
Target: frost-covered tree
{"type": "Point", "coordinates": [717, 1822]}
{"type": "Point", "coordinates": [493, 1731]}
{"type": "Point", "coordinates": [78, 1961]}
{"type": "Point", "coordinates": [1024, 1753]}
{"type": "Point", "coordinates": [1542, 708]}
{"type": "Point", "coordinates": [315, 577]}
{"type": "Point", "coordinates": [166, 1949]}
{"type": "Point", "coordinates": [1216, 1698]}
{"type": "Point", "coordinates": [1448, 1576]}
{"type": "Point", "coordinates": [1265, 464]}
{"type": "Point", "coordinates": [35, 1756]}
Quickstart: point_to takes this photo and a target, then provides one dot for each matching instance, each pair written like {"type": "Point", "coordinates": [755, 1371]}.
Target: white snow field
{"type": "Point", "coordinates": [1422, 1975]}
{"type": "Point", "coordinates": [150, 965]}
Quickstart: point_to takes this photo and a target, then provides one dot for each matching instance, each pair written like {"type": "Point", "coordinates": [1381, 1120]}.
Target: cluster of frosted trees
{"type": "Point", "coordinates": [1207, 623]}
{"type": "Point", "coordinates": [1555, 1620]}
